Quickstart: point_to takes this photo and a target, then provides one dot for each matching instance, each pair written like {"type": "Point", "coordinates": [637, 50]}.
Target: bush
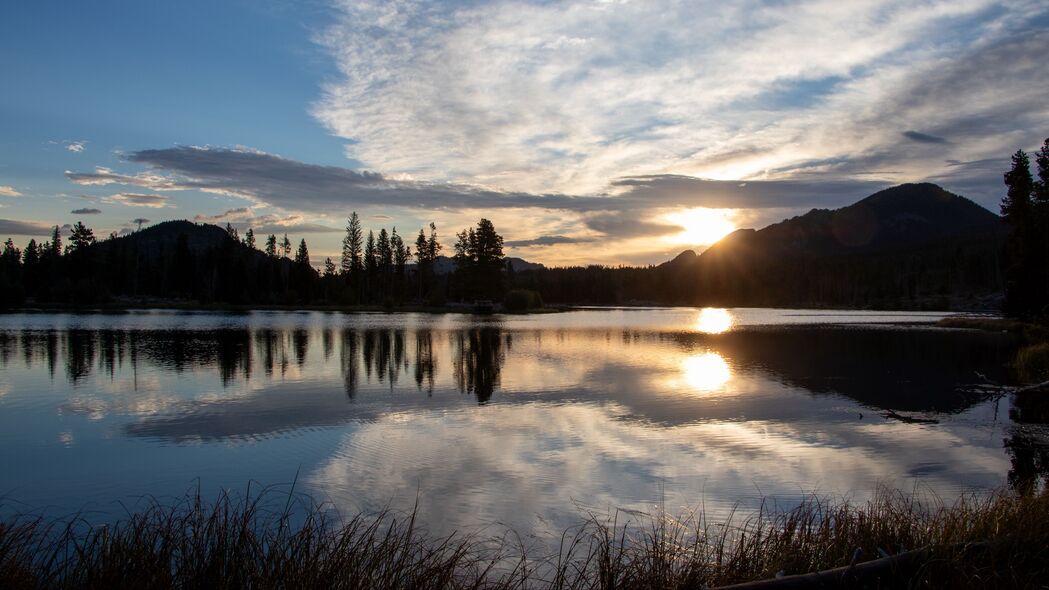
{"type": "Point", "coordinates": [521, 300]}
{"type": "Point", "coordinates": [1032, 363]}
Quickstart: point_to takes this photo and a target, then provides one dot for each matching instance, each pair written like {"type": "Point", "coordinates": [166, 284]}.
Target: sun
{"type": "Point", "coordinates": [701, 226]}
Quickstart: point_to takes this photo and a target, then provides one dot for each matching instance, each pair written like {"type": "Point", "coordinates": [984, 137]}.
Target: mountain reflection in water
{"type": "Point", "coordinates": [512, 420]}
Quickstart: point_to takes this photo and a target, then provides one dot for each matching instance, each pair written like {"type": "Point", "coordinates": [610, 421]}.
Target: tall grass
{"type": "Point", "coordinates": [1000, 540]}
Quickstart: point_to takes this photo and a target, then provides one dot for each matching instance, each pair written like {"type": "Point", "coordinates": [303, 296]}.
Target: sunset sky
{"type": "Point", "coordinates": [603, 131]}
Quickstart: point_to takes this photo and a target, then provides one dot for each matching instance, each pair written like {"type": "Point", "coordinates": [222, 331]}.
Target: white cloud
{"type": "Point", "coordinates": [103, 176]}
{"type": "Point", "coordinates": [243, 217]}
{"type": "Point", "coordinates": [567, 96]}
{"type": "Point", "coordinates": [76, 146]}
{"type": "Point", "coordinates": [137, 200]}
{"type": "Point", "coordinates": [9, 191]}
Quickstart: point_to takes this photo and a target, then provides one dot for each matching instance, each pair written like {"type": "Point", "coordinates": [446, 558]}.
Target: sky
{"type": "Point", "coordinates": [597, 131]}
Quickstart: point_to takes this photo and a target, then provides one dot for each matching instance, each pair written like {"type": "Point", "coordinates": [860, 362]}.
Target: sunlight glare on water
{"type": "Point", "coordinates": [706, 372]}
{"type": "Point", "coordinates": [714, 320]}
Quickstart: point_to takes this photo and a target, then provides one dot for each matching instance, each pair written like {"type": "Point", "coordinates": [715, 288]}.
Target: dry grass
{"type": "Point", "coordinates": [1032, 363]}
{"type": "Point", "coordinates": [1029, 331]}
{"type": "Point", "coordinates": [999, 540]}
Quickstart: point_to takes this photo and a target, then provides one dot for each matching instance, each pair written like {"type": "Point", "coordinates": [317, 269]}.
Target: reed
{"type": "Point", "coordinates": [271, 540]}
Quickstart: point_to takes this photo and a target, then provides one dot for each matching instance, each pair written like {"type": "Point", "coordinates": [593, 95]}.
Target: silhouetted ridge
{"type": "Point", "coordinates": [901, 216]}
{"type": "Point", "coordinates": [165, 235]}
{"type": "Point", "coordinates": [909, 245]}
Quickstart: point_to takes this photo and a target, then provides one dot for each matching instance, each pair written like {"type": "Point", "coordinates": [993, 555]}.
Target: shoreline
{"type": "Point", "coordinates": [978, 315]}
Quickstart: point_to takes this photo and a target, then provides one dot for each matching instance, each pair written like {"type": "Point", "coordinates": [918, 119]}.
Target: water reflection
{"type": "Point", "coordinates": [914, 370]}
{"type": "Point", "coordinates": [478, 360]}
{"type": "Point", "coordinates": [706, 372]}
{"type": "Point", "coordinates": [714, 320]}
{"type": "Point", "coordinates": [504, 420]}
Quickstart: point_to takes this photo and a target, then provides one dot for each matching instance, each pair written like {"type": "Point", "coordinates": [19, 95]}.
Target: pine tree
{"type": "Point", "coordinates": [249, 238]}
{"type": "Point", "coordinates": [400, 253]}
{"type": "Point", "coordinates": [384, 251]}
{"type": "Point", "coordinates": [351, 246]}
{"type": "Point", "coordinates": [421, 249]}
{"type": "Point", "coordinates": [1021, 284]}
{"type": "Point", "coordinates": [423, 267]}
{"type": "Point", "coordinates": [285, 247]}
{"type": "Point", "coordinates": [81, 237]}
{"type": "Point", "coordinates": [1041, 186]}
{"type": "Point", "coordinates": [463, 256]}
{"type": "Point", "coordinates": [56, 242]}
{"type": "Point", "coordinates": [433, 248]}
{"type": "Point", "coordinates": [302, 255]}
{"type": "Point", "coordinates": [488, 245]}
{"type": "Point", "coordinates": [371, 262]}
{"type": "Point", "coordinates": [1039, 251]}
{"type": "Point", "coordinates": [329, 267]}
{"type": "Point", "coordinates": [232, 232]}
{"type": "Point", "coordinates": [11, 254]}
{"type": "Point", "coordinates": [271, 246]}
{"type": "Point", "coordinates": [31, 256]}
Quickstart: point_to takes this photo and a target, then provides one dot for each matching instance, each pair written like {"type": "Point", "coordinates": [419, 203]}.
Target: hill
{"type": "Point", "coordinates": [445, 265]}
{"type": "Point", "coordinates": [912, 245]}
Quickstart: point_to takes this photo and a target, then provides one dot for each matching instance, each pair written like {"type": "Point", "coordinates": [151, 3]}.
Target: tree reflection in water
{"type": "Point", "coordinates": [478, 360]}
{"type": "Point", "coordinates": [1029, 452]}
{"type": "Point", "coordinates": [909, 371]}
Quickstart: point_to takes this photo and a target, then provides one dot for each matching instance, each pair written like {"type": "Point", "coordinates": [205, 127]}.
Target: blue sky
{"type": "Point", "coordinates": [569, 123]}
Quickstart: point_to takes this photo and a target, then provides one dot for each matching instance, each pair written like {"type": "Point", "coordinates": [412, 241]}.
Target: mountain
{"type": "Point", "coordinates": [446, 265]}
{"type": "Point", "coordinates": [165, 236]}
{"type": "Point", "coordinates": [912, 245]}
{"type": "Point", "coordinates": [181, 260]}
{"type": "Point", "coordinates": [904, 215]}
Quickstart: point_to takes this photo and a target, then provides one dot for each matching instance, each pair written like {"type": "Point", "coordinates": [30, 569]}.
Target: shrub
{"type": "Point", "coordinates": [521, 300]}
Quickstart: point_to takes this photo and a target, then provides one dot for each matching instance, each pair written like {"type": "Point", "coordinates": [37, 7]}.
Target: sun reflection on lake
{"type": "Point", "coordinates": [706, 372]}
{"type": "Point", "coordinates": [713, 320]}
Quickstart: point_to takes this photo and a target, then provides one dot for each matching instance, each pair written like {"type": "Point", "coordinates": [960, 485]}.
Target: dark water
{"type": "Point", "coordinates": [526, 421]}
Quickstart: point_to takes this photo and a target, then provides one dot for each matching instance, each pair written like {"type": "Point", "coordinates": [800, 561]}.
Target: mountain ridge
{"type": "Point", "coordinates": [911, 241]}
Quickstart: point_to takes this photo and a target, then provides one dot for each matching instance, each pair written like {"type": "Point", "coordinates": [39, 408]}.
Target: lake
{"type": "Point", "coordinates": [523, 421]}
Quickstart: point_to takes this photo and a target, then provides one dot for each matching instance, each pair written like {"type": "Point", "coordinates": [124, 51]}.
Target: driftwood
{"type": "Point", "coordinates": [879, 573]}
{"type": "Point", "coordinates": [909, 419]}
{"type": "Point", "coordinates": [1001, 390]}
{"type": "Point", "coordinates": [892, 571]}
{"type": "Point", "coordinates": [1035, 387]}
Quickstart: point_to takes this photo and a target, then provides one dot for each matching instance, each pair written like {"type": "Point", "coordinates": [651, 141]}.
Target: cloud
{"type": "Point", "coordinates": [238, 214]}
{"type": "Point", "coordinates": [137, 200]}
{"type": "Point", "coordinates": [627, 226]}
{"type": "Point", "coordinates": [23, 228]}
{"type": "Point", "coordinates": [243, 217]}
{"type": "Point", "coordinates": [103, 176]}
{"type": "Point", "coordinates": [561, 98]}
{"type": "Point", "coordinates": [289, 184]}
{"type": "Point", "coordinates": [76, 146]}
{"type": "Point", "coordinates": [922, 137]}
{"type": "Point", "coordinates": [545, 241]}
{"type": "Point", "coordinates": [669, 190]}
{"type": "Point", "coordinates": [139, 220]}
{"type": "Point", "coordinates": [86, 211]}
{"type": "Point", "coordinates": [273, 224]}
{"type": "Point", "coordinates": [299, 186]}
{"type": "Point", "coordinates": [9, 191]}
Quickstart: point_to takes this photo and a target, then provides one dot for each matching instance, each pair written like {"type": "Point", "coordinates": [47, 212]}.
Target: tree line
{"type": "Point", "coordinates": [1025, 208]}
{"type": "Point", "coordinates": [183, 261]}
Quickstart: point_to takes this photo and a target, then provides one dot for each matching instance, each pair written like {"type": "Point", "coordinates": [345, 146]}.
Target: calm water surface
{"type": "Point", "coordinates": [526, 421]}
